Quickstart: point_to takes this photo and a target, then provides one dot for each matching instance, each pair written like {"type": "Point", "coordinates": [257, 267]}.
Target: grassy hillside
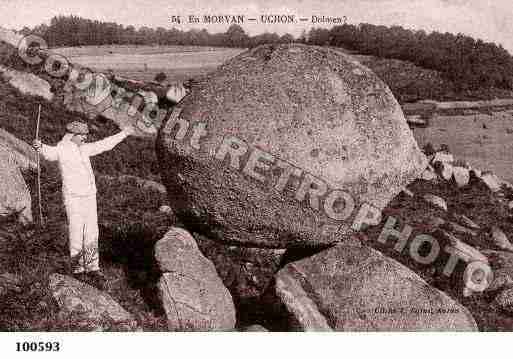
{"type": "Point", "coordinates": [410, 83]}
{"type": "Point", "coordinates": [130, 224]}
{"type": "Point", "coordinates": [18, 113]}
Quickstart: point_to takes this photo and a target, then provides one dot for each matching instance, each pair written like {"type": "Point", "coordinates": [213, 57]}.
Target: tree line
{"type": "Point", "coordinates": [76, 31]}
{"type": "Point", "coordinates": [469, 63]}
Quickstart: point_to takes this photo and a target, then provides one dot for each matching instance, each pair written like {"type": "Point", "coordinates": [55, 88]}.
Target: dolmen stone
{"type": "Point", "coordinates": [351, 288]}
{"type": "Point", "coordinates": [193, 296]}
{"type": "Point", "coordinates": [283, 143]}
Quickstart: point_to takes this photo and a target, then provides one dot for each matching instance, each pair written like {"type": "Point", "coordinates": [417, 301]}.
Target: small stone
{"type": "Point", "coordinates": [444, 170]}
{"type": "Point", "coordinates": [436, 222]}
{"type": "Point", "coordinates": [176, 93]}
{"type": "Point", "coordinates": [447, 171]}
{"type": "Point", "coordinates": [416, 120]}
{"type": "Point", "coordinates": [165, 209]}
{"type": "Point", "coordinates": [491, 181]}
{"type": "Point", "coordinates": [279, 252]}
{"type": "Point", "coordinates": [464, 220]}
{"type": "Point", "coordinates": [429, 175]}
{"type": "Point", "coordinates": [501, 240]}
{"type": "Point", "coordinates": [510, 205]}
{"type": "Point", "coordinates": [443, 157]}
{"type": "Point", "coordinates": [461, 176]}
{"type": "Point", "coordinates": [407, 192]}
{"type": "Point", "coordinates": [455, 227]}
{"type": "Point", "coordinates": [435, 200]}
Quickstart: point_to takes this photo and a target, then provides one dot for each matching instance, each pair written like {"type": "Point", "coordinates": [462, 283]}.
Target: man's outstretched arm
{"type": "Point", "coordinates": [107, 144]}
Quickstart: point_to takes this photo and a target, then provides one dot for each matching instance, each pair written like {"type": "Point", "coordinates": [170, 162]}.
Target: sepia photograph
{"type": "Point", "coordinates": [254, 168]}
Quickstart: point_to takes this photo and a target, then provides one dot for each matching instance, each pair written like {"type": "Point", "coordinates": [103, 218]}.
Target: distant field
{"type": "Point", "coordinates": [484, 141]}
{"type": "Point", "coordinates": [173, 75]}
{"type": "Point", "coordinates": [133, 49]}
{"type": "Point", "coordinates": [144, 62]}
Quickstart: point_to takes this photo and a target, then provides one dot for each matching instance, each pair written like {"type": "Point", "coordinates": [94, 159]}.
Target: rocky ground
{"type": "Point", "coordinates": [253, 276]}
{"type": "Point", "coordinates": [476, 214]}
{"type": "Point", "coordinates": [167, 275]}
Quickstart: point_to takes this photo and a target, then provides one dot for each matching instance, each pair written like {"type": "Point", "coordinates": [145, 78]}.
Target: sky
{"type": "Point", "coordinates": [490, 20]}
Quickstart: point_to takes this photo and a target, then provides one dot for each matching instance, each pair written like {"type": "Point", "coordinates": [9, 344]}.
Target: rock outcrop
{"type": "Point", "coordinates": [27, 83]}
{"type": "Point", "coordinates": [14, 193]}
{"type": "Point", "coordinates": [267, 148]}
{"type": "Point", "coordinates": [352, 288]}
{"type": "Point", "coordinates": [26, 155]}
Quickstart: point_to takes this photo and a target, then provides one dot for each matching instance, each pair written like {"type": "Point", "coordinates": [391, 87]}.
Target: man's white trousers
{"type": "Point", "coordinates": [83, 233]}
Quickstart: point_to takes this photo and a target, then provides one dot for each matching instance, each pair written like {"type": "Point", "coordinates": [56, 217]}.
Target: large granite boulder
{"type": "Point", "coordinates": [193, 296]}
{"type": "Point", "coordinates": [356, 288]}
{"type": "Point", "coordinates": [266, 150]}
{"type": "Point", "coordinates": [14, 193]}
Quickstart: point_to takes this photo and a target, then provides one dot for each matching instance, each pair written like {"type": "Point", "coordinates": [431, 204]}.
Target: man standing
{"type": "Point", "coordinates": [79, 195]}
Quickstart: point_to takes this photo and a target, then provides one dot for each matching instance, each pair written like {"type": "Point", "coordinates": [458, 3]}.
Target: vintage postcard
{"type": "Point", "coordinates": [255, 166]}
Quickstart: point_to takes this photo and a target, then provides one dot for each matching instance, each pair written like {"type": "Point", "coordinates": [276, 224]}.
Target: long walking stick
{"type": "Point", "coordinates": [41, 219]}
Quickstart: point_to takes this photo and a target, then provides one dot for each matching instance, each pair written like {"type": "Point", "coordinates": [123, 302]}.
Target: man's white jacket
{"type": "Point", "coordinates": [75, 165]}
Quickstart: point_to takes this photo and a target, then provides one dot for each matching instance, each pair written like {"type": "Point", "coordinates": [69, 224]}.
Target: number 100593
{"type": "Point", "coordinates": [38, 346]}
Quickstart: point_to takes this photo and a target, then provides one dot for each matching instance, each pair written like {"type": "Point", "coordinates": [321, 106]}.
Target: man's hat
{"type": "Point", "coordinates": [78, 128]}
